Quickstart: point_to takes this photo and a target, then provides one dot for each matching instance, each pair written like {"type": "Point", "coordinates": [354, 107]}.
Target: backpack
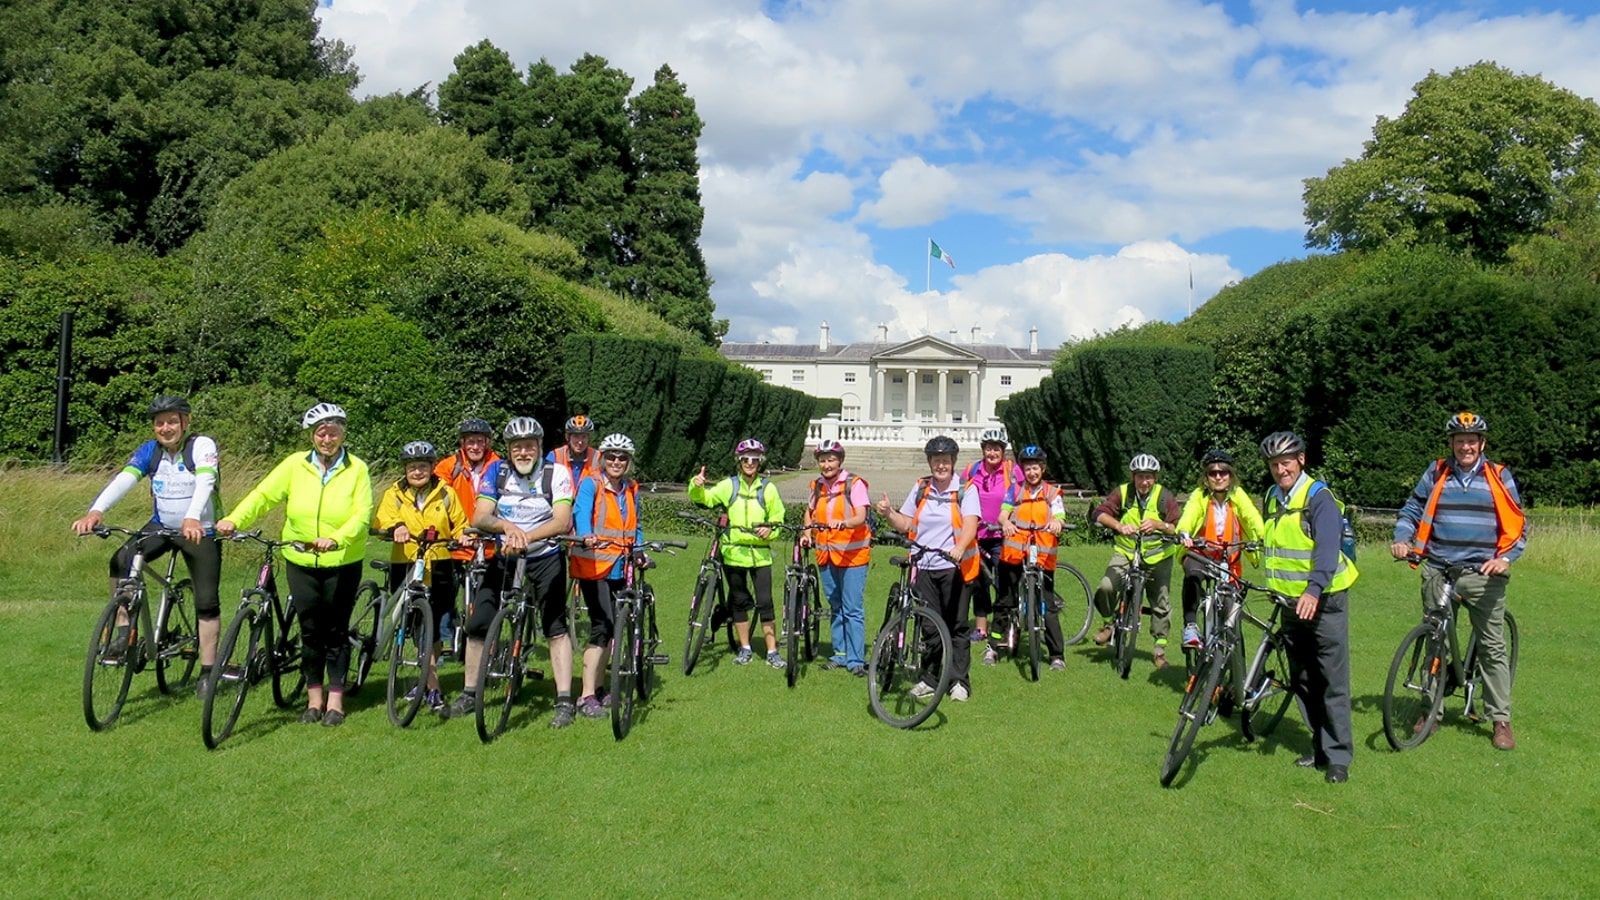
{"type": "Point", "coordinates": [153, 459]}
{"type": "Point", "coordinates": [851, 480]}
{"type": "Point", "coordinates": [503, 476]}
{"type": "Point", "coordinates": [1347, 531]}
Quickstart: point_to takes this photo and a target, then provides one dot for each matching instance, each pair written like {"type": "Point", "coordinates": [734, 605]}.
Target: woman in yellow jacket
{"type": "Point", "coordinates": [1223, 515]}
{"type": "Point", "coordinates": [753, 508]}
{"type": "Point", "coordinates": [327, 500]}
{"type": "Point", "coordinates": [421, 500]}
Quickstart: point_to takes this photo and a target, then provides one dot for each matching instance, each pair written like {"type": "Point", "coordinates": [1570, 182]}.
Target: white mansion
{"type": "Point", "coordinates": [898, 392]}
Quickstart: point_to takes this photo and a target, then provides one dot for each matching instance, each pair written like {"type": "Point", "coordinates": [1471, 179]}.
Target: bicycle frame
{"type": "Point", "coordinates": [134, 591]}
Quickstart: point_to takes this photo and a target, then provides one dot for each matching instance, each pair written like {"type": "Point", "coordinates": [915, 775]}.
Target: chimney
{"type": "Point", "coordinates": [974, 335]}
{"type": "Point", "coordinates": [883, 333]}
{"type": "Point", "coordinates": [823, 343]}
{"type": "Point", "coordinates": [1033, 339]}
{"type": "Point", "coordinates": [952, 335]}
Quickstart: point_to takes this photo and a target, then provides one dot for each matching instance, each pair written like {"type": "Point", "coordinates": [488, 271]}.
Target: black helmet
{"type": "Point", "coordinates": [168, 403]}
{"type": "Point", "coordinates": [1214, 456]}
{"type": "Point", "coordinates": [941, 445]}
{"type": "Point", "coordinates": [416, 450]}
{"type": "Point", "coordinates": [474, 425]}
{"type": "Point", "coordinates": [1282, 443]}
{"type": "Point", "coordinates": [1465, 422]}
{"type": "Point", "coordinates": [1031, 453]}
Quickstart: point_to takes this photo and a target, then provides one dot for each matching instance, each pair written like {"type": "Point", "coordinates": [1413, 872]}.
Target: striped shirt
{"type": "Point", "coordinates": [1465, 529]}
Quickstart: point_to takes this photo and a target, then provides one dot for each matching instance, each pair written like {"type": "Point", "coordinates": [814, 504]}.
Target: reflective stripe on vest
{"type": "Point", "coordinates": [1034, 510]}
{"type": "Point", "coordinates": [610, 523]}
{"type": "Point", "coordinates": [844, 547]}
{"type": "Point", "coordinates": [1509, 519]}
{"type": "Point", "coordinates": [1287, 558]}
{"type": "Point", "coordinates": [1229, 534]}
{"type": "Point", "coordinates": [1132, 514]}
{"type": "Point", "coordinates": [969, 566]}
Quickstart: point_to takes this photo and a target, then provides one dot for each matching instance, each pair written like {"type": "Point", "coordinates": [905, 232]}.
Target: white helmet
{"type": "Point", "coordinates": [1144, 462]}
{"type": "Point", "coordinates": [322, 412]}
{"type": "Point", "coordinates": [993, 436]}
{"type": "Point", "coordinates": [523, 427]}
{"type": "Point", "coordinates": [617, 443]}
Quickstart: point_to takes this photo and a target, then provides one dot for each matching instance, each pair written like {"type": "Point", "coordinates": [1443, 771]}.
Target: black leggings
{"type": "Point", "coordinates": [602, 610]}
{"type": "Point", "coordinates": [204, 561]}
{"type": "Point", "coordinates": [1010, 576]}
{"type": "Point", "coordinates": [544, 579]}
{"type": "Point", "coordinates": [441, 594]}
{"type": "Point", "coordinates": [740, 597]}
{"type": "Point", "coordinates": [323, 598]}
{"type": "Point", "coordinates": [946, 594]}
{"type": "Point", "coordinates": [982, 600]}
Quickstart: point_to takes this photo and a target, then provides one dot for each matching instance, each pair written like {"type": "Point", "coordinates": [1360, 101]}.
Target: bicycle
{"type": "Point", "coordinates": [910, 635]}
{"type": "Point", "coordinates": [1025, 617]}
{"type": "Point", "coordinates": [1130, 606]}
{"type": "Point", "coordinates": [123, 642]}
{"type": "Point", "coordinates": [710, 598]}
{"type": "Point", "coordinates": [802, 604]}
{"type": "Point", "coordinates": [634, 638]}
{"type": "Point", "coordinates": [506, 649]}
{"type": "Point", "coordinates": [405, 627]}
{"type": "Point", "coordinates": [1429, 666]}
{"type": "Point", "coordinates": [1223, 682]}
{"type": "Point", "coordinates": [261, 654]}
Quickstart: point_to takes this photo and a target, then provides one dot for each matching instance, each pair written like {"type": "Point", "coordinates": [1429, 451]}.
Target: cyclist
{"type": "Point", "coordinates": [420, 500]}
{"type": "Point", "coordinates": [527, 503]}
{"type": "Point", "coordinates": [839, 503]}
{"type": "Point", "coordinates": [943, 513]}
{"type": "Point", "coordinates": [1220, 513]}
{"type": "Point", "coordinates": [581, 461]}
{"type": "Point", "coordinates": [1140, 506]}
{"type": "Point", "coordinates": [993, 476]}
{"type": "Point", "coordinates": [1303, 560]}
{"type": "Point", "coordinates": [327, 500]}
{"type": "Point", "coordinates": [463, 470]}
{"type": "Point", "coordinates": [1036, 503]}
{"type": "Point", "coordinates": [182, 468]}
{"type": "Point", "coordinates": [606, 508]}
{"type": "Point", "coordinates": [753, 507]}
{"type": "Point", "coordinates": [1466, 510]}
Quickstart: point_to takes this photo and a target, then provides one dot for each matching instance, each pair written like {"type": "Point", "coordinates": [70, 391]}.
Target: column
{"type": "Point", "coordinates": [911, 394]}
{"type": "Point", "coordinates": [942, 414]}
{"type": "Point", "coordinates": [974, 379]}
{"type": "Point", "coordinates": [880, 402]}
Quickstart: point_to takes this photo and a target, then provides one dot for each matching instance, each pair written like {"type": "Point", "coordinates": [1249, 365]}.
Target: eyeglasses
{"type": "Point", "coordinates": [1219, 473]}
{"type": "Point", "coordinates": [758, 460]}
{"type": "Point", "coordinates": [616, 457]}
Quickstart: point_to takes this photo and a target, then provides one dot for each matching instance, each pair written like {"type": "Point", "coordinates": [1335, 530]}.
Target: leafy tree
{"type": "Point", "coordinates": [484, 96]}
{"type": "Point", "coordinates": [1479, 159]}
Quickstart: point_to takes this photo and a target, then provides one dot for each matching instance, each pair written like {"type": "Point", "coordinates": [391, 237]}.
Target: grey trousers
{"type": "Point", "coordinates": [1319, 676]}
{"type": "Point", "coordinates": [1484, 598]}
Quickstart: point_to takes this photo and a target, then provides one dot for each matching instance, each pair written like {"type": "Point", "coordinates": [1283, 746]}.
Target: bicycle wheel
{"type": "Point", "coordinates": [410, 652]}
{"type": "Point", "coordinates": [287, 676]}
{"type": "Point", "coordinates": [792, 625]}
{"type": "Point", "coordinates": [177, 643]}
{"type": "Point", "coordinates": [812, 595]}
{"type": "Point", "coordinates": [108, 667]}
{"type": "Point", "coordinates": [624, 656]}
{"type": "Point", "coordinates": [1126, 634]}
{"type": "Point", "coordinates": [1034, 624]}
{"type": "Point", "coordinates": [1475, 685]}
{"type": "Point", "coordinates": [499, 674]}
{"type": "Point", "coordinates": [1266, 693]}
{"type": "Point", "coordinates": [700, 607]}
{"type": "Point", "coordinates": [1413, 696]}
{"type": "Point", "coordinates": [240, 657]}
{"type": "Point", "coordinates": [363, 635]}
{"type": "Point", "coordinates": [649, 642]}
{"type": "Point", "coordinates": [895, 668]}
{"type": "Point", "coordinates": [1074, 594]}
{"type": "Point", "coordinates": [1195, 709]}
{"type": "Point", "coordinates": [577, 612]}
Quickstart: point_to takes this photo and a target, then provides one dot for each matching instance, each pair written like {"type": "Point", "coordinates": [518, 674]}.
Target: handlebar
{"type": "Point", "coordinates": [105, 531]}
{"type": "Point", "coordinates": [422, 542]}
{"type": "Point", "coordinates": [916, 549]}
{"type": "Point", "coordinates": [255, 536]}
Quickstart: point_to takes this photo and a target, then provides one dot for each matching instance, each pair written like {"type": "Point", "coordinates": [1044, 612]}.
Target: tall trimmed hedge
{"type": "Point", "coordinates": [624, 385]}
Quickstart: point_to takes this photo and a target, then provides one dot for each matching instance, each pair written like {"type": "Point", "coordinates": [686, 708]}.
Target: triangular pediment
{"type": "Point", "coordinates": [925, 348]}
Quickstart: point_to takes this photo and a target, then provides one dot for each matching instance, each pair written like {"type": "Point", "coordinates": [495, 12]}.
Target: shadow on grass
{"type": "Point", "coordinates": [1285, 741]}
{"type": "Point", "coordinates": [147, 700]}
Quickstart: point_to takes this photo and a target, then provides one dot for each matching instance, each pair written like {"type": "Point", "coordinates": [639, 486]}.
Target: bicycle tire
{"type": "Point", "coordinates": [895, 667]}
{"type": "Point", "coordinates": [891, 662]}
{"type": "Point", "coordinates": [624, 656]}
{"type": "Point", "coordinates": [1072, 586]}
{"type": "Point", "coordinates": [576, 611]}
{"type": "Point", "coordinates": [1125, 636]}
{"type": "Point", "coordinates": [363, 635]}
{"type": "Point", "coordinates": [1193, 711]}
{"type": "Point", "coordinates": [1267, 695]}
{"type": "Point", "coordinates": [177, 642]}
{"type": "Point", "coordinates": [410, 651]}
{"type": "Point", "coordinates": [701, 606]}
{"type": "Point", "coordinates": [1035, 626]}
{"type": "Point", "coordinates": [1413, 694]}
{"type": "Point", "coordinates": [288, 679]}
{"type": "Point", "coordinates": [106, 680]}
{"type": "Point", "coordinates": [650, 640]}
{"type": "Point", "coordinates": [236, 668]}
{"type": "Point", "coordinates": [814, 613]}
{"type": "Point", "coordinates": [499, 674]}
{"type": "Point", "coordinates": [791, 628]}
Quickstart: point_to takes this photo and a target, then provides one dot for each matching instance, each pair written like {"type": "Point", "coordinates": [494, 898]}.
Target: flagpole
{"type": "Point", "coordinates": [1191, 289]}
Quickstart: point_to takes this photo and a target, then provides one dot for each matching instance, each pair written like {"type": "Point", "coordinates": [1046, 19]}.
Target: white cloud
{"type": "Point", "coordinates": [911, 192]}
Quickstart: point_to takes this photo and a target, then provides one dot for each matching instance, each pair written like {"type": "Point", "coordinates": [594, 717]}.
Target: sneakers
{"type": "Point", "coordinates": [202, 686]}
{"type": "Point", "coordinates": [605, 700]}
{"type": "Point", "coordinates": [1502, 737]}
{"type": "Point", "coordinates": [990, 657]}
{"type": "Point", "coordinates": [1103, 636]}
{"type": "Point", "coordinates": [311, 716]}
{"type": "Point", "coordinates": [412, 694]}
{"type": "Point", "coordinates": [435, 700]}
{"type": "Point", "coordinates": [743, 657]}
{"type": "Point", "coordinates": [775, 660]}
{"type": "Point", "coordinates": [1057, 664]}
{"type": "Point", "coordinates": [1191, 637]}
{"type": "Point", "coordinates": [858, 671]}
{"type": "Point", "coordinates": [333, 718]}
{"type": "Point", "coordinates": [830, 664]}
{"type": "Point", "coordinates": [565, 712]}
{"type": "Point", "coordinates": [590, 708]}
{"type": "Point", "coordinates": [959, 693]}
{"type": "Point", "coordinates": [465, 704]}
{"type": "Point", "coordinates": [921, 690]}
{"type": "Point", "coordinates": [977, 637]}
{"type": "Point", "coordinates": [1159, 657]}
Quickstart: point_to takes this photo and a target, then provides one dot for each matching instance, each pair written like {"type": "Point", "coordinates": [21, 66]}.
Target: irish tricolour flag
{"type": "Point", "coordinates": [937, 252]}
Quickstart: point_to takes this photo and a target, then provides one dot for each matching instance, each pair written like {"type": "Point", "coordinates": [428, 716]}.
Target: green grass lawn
{"type": "Point", "coordinates": [731, 783]}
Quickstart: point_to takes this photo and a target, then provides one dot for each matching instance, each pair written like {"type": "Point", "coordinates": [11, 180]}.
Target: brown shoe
{"type": "Point", "coordinates": [1160, 658]}
{"type": "Point", "coordinates": [1502, 737]}
{"type": "Point", "coordinates": [1422, 723]}
{"type": "Point", "coordinates": [1103, 636]}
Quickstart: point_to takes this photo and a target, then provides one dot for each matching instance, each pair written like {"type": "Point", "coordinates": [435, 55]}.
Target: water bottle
{"type": "Point", "coordinates": [1347, 540]}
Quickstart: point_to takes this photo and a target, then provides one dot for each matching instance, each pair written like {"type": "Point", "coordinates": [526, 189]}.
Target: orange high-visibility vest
{"type": "Point", "coordinates": [1033, 508]}
{"type": "Point", "coordinates": [1509, 518]}
{"type": "Point", "coordinates": [969, 560]}
{"type": "Point", "coordinates": [843, 547]}
{"type": "Point", "coordinates": [591, 462]}
{"type": "Point", "coordinates": [1229, 534]}
{"type": "Point", "coordinates": [619, 526]}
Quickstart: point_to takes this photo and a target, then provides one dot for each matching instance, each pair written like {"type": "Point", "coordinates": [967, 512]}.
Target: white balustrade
{"type": "Point", "coordinates": [895, 434]}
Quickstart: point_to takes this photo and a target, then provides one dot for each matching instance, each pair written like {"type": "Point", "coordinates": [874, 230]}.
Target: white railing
{"type": "Point", "coordinates": [895, 434]}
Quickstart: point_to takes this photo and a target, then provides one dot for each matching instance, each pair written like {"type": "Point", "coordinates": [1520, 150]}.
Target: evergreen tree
{"type": "Point", "coordinates": [483, 96]}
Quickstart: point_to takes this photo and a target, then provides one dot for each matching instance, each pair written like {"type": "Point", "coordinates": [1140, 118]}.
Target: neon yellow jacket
{"type": "Point", "coordinates": [441, 509]}
{"type": "Point", "coordinates": [757, 503]}
{"type": "Point", "coordinates": [1192, 520]}
{"type": "Point", "coordinates": [339, 509]}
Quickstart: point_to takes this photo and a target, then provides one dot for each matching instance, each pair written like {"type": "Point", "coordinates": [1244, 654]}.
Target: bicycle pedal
{"type": "Point", "coordinates": [658, 659]}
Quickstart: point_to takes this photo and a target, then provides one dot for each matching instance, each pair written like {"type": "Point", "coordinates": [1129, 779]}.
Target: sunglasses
{"type": "Point", "coordinates": [617, 457]}
{"type": "Point", "coordinates": [752, 459]}
{"type": "Point", "coordinates": [1219, 473]}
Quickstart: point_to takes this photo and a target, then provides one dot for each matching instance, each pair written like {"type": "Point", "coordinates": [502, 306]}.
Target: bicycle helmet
{"type": "Point", "coordinates": [1217, 457]}
{"type": "Point", "coordinates": [322, 412]}
{"type": "Point", "coordinates": [168, 403]}
{"type": "Point", "coordinates": [1031, 453]}
{"type": "Point", "coordinates": [1144, 462]}
{"type": "Point", "coordinates": [941, 445]}
{"type": "Point", "coordinates": [474, 425]}
{"type": "Point", "coordinates": [523, 427]}
{"type": "Point", "coordinates": [750, 447]}
{"type": "Point", "coordinates": [617, 443]}
{"type": "Point", "coordinates": [826, 447]}
{"type": "Point", "coordinates": [1282, 443]}
{"type": "Point", "coordinates": [416, 450]}
{"type": "Point", "coordinates": [1463, 422]}
{"type": "Point", "coordinates": [993, 436]}
{"type": "Point", "coordinates": [579, 424]}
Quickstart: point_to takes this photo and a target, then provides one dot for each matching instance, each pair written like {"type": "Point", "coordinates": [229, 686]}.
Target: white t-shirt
{"type": "Point", "coordinates": [934, 529]}
{"type": "Point", "coordinates": [522, 503]}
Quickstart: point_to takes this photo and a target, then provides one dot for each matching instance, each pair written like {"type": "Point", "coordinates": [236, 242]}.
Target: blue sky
{"type": "Point", "coordinates": [1078, 160]}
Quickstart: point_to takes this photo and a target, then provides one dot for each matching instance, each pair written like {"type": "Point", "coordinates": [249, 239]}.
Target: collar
{"type": "Point", "coordinates": [1464, 474]}
{"type": "Point", "coordinates": [1283, 497]}
{"type": "Point", "coordinates": [338, 461]}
